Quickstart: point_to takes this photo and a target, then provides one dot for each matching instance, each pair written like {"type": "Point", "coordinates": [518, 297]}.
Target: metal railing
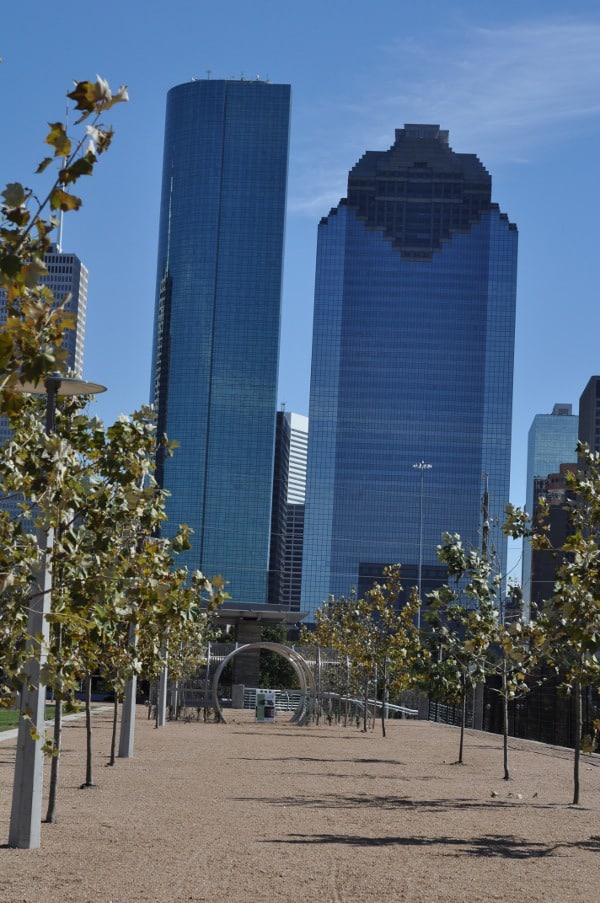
{"type": "Point", "coordinates": [285, 700]}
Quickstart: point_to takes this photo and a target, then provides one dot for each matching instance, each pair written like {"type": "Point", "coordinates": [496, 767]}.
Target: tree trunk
{"type": "Point", "coordinates": [347, 702]}
{"type": "Point", "coordinates": [207, 684]}
{"type": "Point", "coordinates": [463, 718]}
{"type": "Point", "coordinates": [577, 751]}
{"type": "Point", "coordinates": [88, 730]}
{"type": "Point", "coordinates": [366, 706]}
{"type": "Point", "coordinates": [56, 742]}
{"type": "Point", "coordinates": [318, 700]}
{"type": "Point", "coordinates": [54, 766]}
{"type": "Point", "coordinates": [113, 739]}
{"type": "Point", "coordinates": [505, 720]}
{"type": "Point", "coordinates": [383, 700]}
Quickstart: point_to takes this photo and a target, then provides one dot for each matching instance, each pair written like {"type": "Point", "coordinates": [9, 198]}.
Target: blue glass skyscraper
{"type": "Point", "coordinates": [551, 441]}
{"type": "Point", "coordinates": [412, 363]}
{"type": "Point", "coordinates": [216, 334]}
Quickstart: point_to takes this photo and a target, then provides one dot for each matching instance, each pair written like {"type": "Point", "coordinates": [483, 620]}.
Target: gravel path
{"type": "Point", "coordinates": [275, 812]}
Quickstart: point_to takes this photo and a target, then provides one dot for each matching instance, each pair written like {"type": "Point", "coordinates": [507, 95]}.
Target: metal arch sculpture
{"type": "Point", "coordinates": [298, 663]}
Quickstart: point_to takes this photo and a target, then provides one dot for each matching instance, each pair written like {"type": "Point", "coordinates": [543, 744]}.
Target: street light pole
{"type": "Point", "coordinates": [422, 466]}
{"type": "Point", "coordinates": [26, 810]}
{"type": "Point", "coordinates": [127, 734]}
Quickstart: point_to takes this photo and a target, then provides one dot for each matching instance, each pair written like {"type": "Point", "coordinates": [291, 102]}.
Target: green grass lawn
{"type": "Point", "coordinates": [9, 718]}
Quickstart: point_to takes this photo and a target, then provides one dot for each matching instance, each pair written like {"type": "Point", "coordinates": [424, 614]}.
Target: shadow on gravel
{"type": "Point", "coordinates": [488, 846]}
{"type": "Point", "coordinates": [346, 801]}
{"type": "Point", "coordinates": [320, 760]}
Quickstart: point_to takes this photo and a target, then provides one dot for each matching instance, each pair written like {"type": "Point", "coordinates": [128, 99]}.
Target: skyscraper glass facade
{"type": "Point", "coordinates": [412, 362]}
{"type": "Point", "coordinates": [551, 441]}
{"type": "Point", "coordinates": [287, 527]}
{"type": "Point", "coordinates": [216, 339]}
{"type": "Point", "coordinates": [589, 414]}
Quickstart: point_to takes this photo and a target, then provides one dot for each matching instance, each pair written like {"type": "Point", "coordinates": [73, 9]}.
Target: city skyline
{"type": "Point", "coordinates": [518, 84]}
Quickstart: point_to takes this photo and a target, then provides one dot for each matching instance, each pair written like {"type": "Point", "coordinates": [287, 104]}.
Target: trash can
{"type": "Point", "coordinates": [265, 705]}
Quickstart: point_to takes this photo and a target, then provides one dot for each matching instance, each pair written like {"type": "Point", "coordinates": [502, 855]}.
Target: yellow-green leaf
{"type": "Point", "coordinates": [84, 95]}
{"type": "Point", "coordinates": [14, 194]}
{"type": "Point", "coordinates": [58, 139]}
{"type": "Point", "coordinates": [84, 166]}
{"type": "Point", "coordinates": [61, 200]}
{"type": "Point", "coordinates": [44, 165]}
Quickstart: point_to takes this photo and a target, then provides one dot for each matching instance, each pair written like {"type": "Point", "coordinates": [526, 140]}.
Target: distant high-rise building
{"type": "Point", "coordinates": [66, 277]}
{"type": "Point", "coordinates": [279, 509]}
{"type": "Point", "coordinates": [296, 495]}
{"type": "Point", "coordinates": [554, 491]}
{"type": "Point", "coordinates": [552, 441]}
{"type": "Point", "coordinates": [589, 414]}
{"type": "Point", "coordinates": [216, 333]}
{"type": "Point", "coordinates": [412, 366]}
{"type": "Point", "coordinates": [287, 527]}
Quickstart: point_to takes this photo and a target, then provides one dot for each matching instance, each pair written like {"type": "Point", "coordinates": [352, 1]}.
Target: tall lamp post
{"type": "Point", "coordinates": [127, 734]}
{"type": "Point", "coordinates": [421, 466]}
{"type": "Point", "coordinates": [26, 811]}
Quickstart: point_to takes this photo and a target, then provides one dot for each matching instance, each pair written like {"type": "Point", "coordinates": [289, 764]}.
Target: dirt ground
{"type": "Point", "coordinates": [275, 812]}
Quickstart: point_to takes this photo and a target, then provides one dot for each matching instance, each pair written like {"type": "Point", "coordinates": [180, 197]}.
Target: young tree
{"type": "Point", "coordinates": [393, 635]}
{"type": "Point", "coordinates": [380, 638]}
{"type": "Point", "coordinates": [30, 350]}
{"type": "Point", "coordinates": [31, 337]}
{"type": "Point", "coordinates": [328, 634]}
{"type": "Point", "coordinates": [109, 569]}
{"type": "Point", "coordinates": [519, 644]}
{"type": "Point", "coordinates": [463, 620]}
{"type": "Point", "coordinates": [31, 334]}
{"type": "Point", "coordinates": [64, 481]}
{"type": "Point", "coordinates": [18, 554]}
{"type": "Point", "coordinates": [571, 617]}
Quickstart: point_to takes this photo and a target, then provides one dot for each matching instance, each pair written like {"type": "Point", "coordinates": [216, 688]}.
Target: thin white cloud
{"type": "Point", "coordinates": [512, 85]}
{"type": "Point", "coordinates": [500, 91]}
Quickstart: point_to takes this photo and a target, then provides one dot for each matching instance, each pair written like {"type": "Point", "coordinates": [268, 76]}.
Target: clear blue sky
{"type": "Point", "coordinates": [517, 83]}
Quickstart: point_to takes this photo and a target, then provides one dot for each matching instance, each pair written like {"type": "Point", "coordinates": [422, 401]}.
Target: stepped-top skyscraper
{"type": "Point", "coordinates": [412, 367]}
{"type": "Point", "coordinates": [217, 321]}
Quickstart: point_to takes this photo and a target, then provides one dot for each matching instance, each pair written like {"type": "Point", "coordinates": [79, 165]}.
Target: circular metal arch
{"type": "Point", "coordinates": [298, 663]}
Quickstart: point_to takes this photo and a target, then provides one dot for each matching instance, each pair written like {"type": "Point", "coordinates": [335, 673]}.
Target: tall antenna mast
{"type": "Point", "coordinates": [60, 232]}
{"type": "Point", "coordinates": [61, 213]}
